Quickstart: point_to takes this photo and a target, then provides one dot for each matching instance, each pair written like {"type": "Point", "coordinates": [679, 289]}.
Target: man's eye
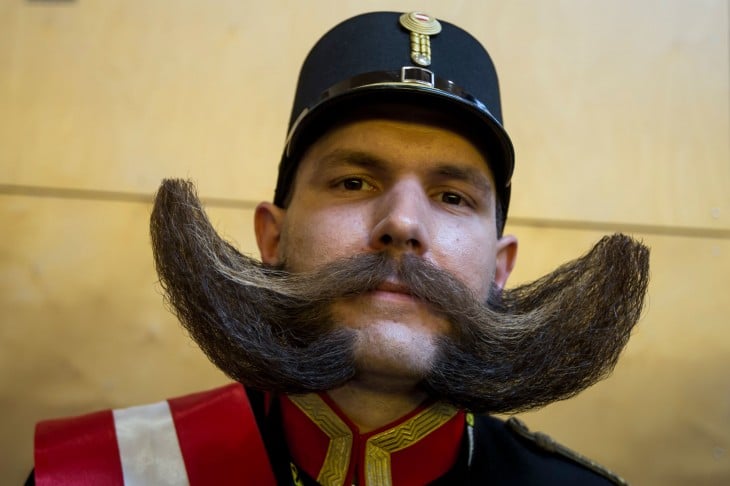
{"type": "Point", "coordinates": [451, 198]}
{"type": "Point", "coordinates": [355, 184]}
{"type": "Point", "coordinates": [352, 184]}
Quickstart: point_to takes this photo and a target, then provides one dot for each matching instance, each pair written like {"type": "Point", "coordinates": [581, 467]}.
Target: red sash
{"type": "Point", "coordinates": [200, 439]}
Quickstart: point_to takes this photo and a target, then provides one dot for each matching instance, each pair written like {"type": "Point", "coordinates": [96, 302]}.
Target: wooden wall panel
{"type": "Point", "coordinates": [116, 95]}
{"type": "Point", "coordinates": [619, 110]}
{"type": "Point", "coordinates": [602, 99]}
{"type": "Point", "coordinates": [663, 417]}
{"type": "Point", "coordinates": [84, 326]}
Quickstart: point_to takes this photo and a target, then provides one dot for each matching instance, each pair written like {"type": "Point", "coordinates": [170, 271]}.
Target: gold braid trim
{"type": "Point", "coordinates": [379, 447]}
{"type": "Point", "coordinates": [337, 459]}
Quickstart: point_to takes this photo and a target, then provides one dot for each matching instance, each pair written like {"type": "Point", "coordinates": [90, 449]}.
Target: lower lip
{"type": "Point", "coordinates": [392, 296]}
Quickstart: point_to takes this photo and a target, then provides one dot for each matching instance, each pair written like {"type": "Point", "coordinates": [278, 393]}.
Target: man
{"type": "Point", "coordinates": [376, 333]}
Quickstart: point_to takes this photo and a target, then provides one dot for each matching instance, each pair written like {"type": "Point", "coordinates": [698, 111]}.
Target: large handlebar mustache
{"type": "Point", "coordinates": [272, 329]}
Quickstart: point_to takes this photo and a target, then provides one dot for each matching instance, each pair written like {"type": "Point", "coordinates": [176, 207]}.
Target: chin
{"type": "Point", "coordinates": [394, 352]}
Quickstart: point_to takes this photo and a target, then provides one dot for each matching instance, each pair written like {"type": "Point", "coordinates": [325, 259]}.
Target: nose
{"type": "Point", "coordinates": [402, 219]}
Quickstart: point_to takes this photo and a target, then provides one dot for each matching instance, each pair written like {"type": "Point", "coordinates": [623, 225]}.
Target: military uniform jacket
{"type": "Point", "coordinates": [235, 436]}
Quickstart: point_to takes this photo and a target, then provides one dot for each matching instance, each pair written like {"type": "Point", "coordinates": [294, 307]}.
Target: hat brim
{"type": "Point", "coordinates": [483, 129]}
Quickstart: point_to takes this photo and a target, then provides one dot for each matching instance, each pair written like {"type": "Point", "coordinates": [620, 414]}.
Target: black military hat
{"type": "Point", "coordinates": [409, 58]}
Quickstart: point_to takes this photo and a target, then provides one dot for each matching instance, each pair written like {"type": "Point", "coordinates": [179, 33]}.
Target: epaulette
{"type": "Point", "coordinates": [545, 442]}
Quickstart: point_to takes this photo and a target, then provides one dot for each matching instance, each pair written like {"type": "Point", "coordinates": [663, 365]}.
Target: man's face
{"type": "Point", "coordinates": [383, 184]}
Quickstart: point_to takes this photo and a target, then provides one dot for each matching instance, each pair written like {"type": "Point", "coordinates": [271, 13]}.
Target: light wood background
{"type": "Point", "coordinates": [619, 112]}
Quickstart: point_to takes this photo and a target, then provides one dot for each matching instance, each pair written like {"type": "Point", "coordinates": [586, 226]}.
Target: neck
{"type": "Point", "coordinates": [371, 407]}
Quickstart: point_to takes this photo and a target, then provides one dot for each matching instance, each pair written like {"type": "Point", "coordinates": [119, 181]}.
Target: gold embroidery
{"type": "Point", "coordinates": [295, 475]}
{"type": "Point", "coordinates": [379, 447]}
{"type": "Point", "coordinates": [334, 469]}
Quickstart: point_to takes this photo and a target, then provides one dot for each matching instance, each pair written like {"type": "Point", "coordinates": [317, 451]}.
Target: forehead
{"type": "Point", "coordinates": [398, 134]}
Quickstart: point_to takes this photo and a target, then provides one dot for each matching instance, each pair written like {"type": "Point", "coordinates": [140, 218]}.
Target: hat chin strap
{"type": "Point", "coordinates": [409, 77]}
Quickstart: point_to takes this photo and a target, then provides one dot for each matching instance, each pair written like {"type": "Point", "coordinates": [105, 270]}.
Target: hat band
{"type": "Point", "coordinates": [409, 77]}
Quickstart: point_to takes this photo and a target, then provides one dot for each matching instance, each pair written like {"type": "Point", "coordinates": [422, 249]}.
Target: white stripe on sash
{"type": "Point", "coordinates": [148, 446]}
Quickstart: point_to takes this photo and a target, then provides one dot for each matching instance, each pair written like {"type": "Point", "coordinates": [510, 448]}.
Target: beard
{"type": "Point", "coordinates": [273, 330]}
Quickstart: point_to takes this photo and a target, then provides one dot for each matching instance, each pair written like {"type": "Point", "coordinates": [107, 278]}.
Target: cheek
{"type": "Point", "coordinates": [471, 259]}
{"type": "Point", "coordinates": [320, 237]}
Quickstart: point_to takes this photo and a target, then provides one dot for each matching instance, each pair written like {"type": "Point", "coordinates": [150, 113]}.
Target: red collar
{"type": "Point", "coordinates": [416, 449]}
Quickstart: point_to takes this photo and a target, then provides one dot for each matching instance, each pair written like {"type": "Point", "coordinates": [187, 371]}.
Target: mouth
{"type": "Point", "coordinates": [391, 290]}
{"type": "Point", "coordinates": [394, 287]}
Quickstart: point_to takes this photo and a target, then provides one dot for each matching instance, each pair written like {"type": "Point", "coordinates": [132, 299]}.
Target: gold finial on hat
{"type": "Point", "coordinates": [421, 26]}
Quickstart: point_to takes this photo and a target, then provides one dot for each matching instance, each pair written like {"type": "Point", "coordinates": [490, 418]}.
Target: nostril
{"type": "Point", "coordinates": [386, 239]}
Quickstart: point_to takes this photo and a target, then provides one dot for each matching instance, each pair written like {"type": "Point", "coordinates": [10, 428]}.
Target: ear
{"type": "Point", "coordinates": [506, 259]}
{"type": "Point", "coordinates": [268, 221]}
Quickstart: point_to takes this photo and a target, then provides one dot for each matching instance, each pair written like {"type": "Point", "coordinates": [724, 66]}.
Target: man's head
{"type": "Point", "coordinates": [390, 149]}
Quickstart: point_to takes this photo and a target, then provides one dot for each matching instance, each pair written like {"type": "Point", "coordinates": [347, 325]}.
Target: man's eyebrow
{"type": "Point", "coordinates": [470, 175]}
{"type": "Point", "coordinates": [354, 158]}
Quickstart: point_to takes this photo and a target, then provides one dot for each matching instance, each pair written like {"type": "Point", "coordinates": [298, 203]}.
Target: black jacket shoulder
{"type": "Point", "coordinates": [508, 453]}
